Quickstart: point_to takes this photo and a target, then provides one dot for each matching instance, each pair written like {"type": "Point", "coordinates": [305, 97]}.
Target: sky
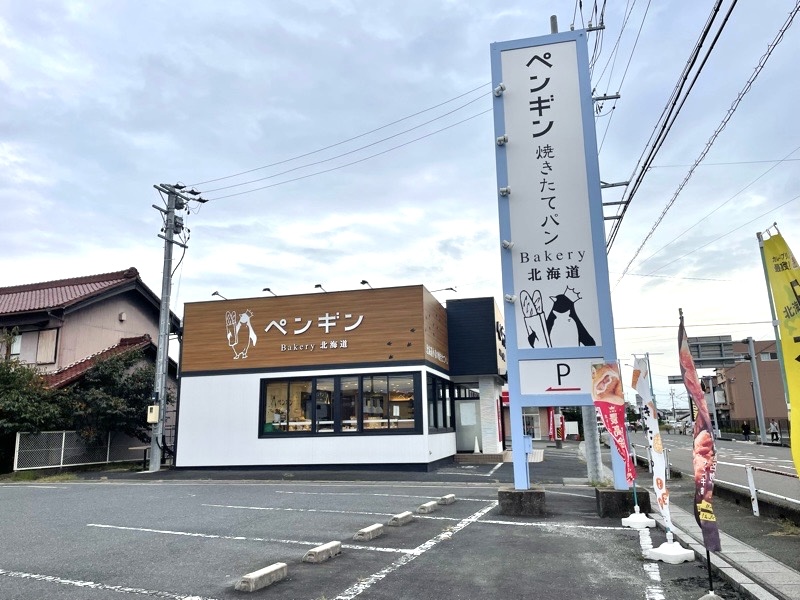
{"type": "Point", "coordinates": [376, 120]}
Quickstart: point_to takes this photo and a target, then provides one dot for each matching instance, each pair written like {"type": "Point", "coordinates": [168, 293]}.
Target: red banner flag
{"type": "Point", "coordinates": [704, 453]}
{"type": "Point", "coordinates": [609, 399]}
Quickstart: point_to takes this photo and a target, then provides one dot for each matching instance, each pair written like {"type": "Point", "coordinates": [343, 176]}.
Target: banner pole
{"type": "Point", "coordinates": [775, 322]}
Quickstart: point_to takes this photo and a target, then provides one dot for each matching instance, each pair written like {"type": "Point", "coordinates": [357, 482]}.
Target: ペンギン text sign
{"type": "Point", "coordinates": [555, 273]}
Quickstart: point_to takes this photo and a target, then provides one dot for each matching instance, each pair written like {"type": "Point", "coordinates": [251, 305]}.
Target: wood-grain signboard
{"type": "Point", "coordinates": [386, 325]}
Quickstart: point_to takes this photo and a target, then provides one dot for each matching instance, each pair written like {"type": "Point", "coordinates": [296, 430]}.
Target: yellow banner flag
{"type": "Point", "coordinates": [783, 276]}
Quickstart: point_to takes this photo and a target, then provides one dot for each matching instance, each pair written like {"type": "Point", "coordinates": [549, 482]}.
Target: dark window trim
{"type": "Point", "coordinates": [451, 388]}
{"type": "Point", "coordinates": [262, 405]}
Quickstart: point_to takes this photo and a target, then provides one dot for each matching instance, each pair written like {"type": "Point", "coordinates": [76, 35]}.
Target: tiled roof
{"type": "Point", "coordinates": [61, 293]}
{"type": "Point", "coordinates": [75, 371]}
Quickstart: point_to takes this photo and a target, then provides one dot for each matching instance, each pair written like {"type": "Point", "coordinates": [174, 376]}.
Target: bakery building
{"type": "Point", "coordinates": [385, 376]}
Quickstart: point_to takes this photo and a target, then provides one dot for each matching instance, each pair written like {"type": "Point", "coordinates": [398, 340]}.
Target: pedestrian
{"type": "Point", "coordinates": [774, 432]}
{"type": "Point", "coordinates": [746, 431]}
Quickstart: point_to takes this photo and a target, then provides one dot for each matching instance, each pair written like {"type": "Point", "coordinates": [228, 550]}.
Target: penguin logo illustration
{"type": "Point", "coordinates": [564, 326]}
{"type": "Point", "coordinates": [232, 327]}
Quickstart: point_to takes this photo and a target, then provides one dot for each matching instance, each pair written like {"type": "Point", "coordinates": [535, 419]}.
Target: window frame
{"type": "Point", "coordinates": [337, 406]}
{"type": "Point", "coordinates": [441, 398]}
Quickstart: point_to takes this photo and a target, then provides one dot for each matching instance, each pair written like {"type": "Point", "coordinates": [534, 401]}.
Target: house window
{"type": "Point", "coordinates": [769, 356]}
{"type": "Point", "coordinates": [46, 349]}
{"type": "Point", "coordinates": [10, 351]}
{"type": "Point", "coordinates": [350, 404]}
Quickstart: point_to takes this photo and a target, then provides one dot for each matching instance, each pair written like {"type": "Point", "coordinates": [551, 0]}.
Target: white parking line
{"type": "Point", "coordinates": [551, 525]}
{"type": "Point", "coordinates": [380, 495]}
{"type": "Point", "coordinates": [30, 485]}
{"type": "Point", "coordinates": [470, 474]}
{"type": "Point", "coordinates": [98, 586]}
{"type": "Point", "coordinates": [364, 584]}
{"type": "Point", "coordinates": [310, 510]}
{"type": "Point", "coordinates": [249, 539]}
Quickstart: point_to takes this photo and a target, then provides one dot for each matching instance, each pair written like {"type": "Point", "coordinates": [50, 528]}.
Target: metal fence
{"type": "Point", "coordinates": [749, 469]}
{"type": "Point", "coordinates": [50, 449]}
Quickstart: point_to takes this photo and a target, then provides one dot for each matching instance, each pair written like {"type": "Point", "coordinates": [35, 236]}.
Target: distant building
{"type": "Point", "coordinates": [736, 403]}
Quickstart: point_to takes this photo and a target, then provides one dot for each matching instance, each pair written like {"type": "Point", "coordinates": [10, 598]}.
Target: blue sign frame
{"type": "Point", "coordinates": [606, 350]}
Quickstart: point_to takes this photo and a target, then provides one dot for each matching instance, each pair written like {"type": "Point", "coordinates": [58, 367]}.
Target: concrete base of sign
{"type": "Point", "coordinates": [672, 553]}
{"type": "Point", "coordinates": [619, 503]}
{"type": "Point", "coordinates": [521, 503]}
{"type": "Point", "coordinates": [638, 520]}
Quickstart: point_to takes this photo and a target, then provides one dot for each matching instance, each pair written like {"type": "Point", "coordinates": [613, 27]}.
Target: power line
{"type": "Point", "coordinates": [673, 326]}
{"type": "Point", "coordinates": [740, 162]}
{"type": "Point", "coordinates": [675, 277]}
{"type": "Point", "coordinates": [325, 160]}
{"type": "Point", "coordinates": [360, 160]}
{"type": "Point", "coordinates": [717, 132]}
{"type": "Point", "coordinates": [762, 215]}
{"type": "Point", "coordinates": [685, 231]}
{"type": "Point", "coordinates": [355, 137]}
{"type": "Point", "coordinates": [625, 73]}
{"type": "Point", "coordinates": [662, 128]}
{"type": "Point", "coordinates": [615, 49]}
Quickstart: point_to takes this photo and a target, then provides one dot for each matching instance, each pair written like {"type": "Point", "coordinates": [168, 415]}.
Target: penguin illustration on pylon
{"type": "Point", "coordinates": [564, 326]}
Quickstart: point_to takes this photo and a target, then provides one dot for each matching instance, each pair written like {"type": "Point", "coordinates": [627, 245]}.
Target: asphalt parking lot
{"type": "Point", "coordinates": [196, 538]}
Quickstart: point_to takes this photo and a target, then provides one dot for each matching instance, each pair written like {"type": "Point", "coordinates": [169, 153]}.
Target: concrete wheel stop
{"type": "Point", "coordinates": [521, 503]}
{"type": "Point", "coordinates": [619, 503]}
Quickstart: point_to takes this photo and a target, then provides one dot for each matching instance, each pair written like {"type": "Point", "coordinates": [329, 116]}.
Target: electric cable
{"type": "Point", "coordinates": [685, 231]}
{"type": "Point", "coordinates": [360, 160]}
{"type": "Point", "coordinates": [660, 131]}
{"type": "Point", "coordinates": [625, 73]}
{"type": "Point", "coordinates": [762, 61]}
{"type": "Point", "coordinates": [612, 58]}
{"type": "Point", "coordinates": [738, 162]}
{"type": "Point", "coordinates": [722, 236]}
{"type": "Point", "coordinates": [360, 135]}
{"type": "Point", "coordinates": [325, 160]}
{"type": "Point", "coordinates": [695, 325]}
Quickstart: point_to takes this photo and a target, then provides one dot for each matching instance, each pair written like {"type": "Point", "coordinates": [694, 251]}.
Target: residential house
{"type": "Point", "coordinates": [63, 327]}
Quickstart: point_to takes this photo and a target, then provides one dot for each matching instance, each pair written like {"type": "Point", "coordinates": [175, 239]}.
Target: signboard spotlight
{"type": "Point", "coordinates": [505, 191]}
{"type": "Point", "coordinates": [498, 91]}
{"type": "Point", "coordinates": [508, 245]}
{"type": "Point", "coordinates": [510, 298]}
{"type": "Point", "coordinates": [503, 139]}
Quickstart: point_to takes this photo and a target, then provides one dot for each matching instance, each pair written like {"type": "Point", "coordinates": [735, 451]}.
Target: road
{"type": "Point", "coordinates": [732, 457]}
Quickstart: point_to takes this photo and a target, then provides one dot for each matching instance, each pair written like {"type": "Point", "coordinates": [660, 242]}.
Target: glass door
{"type": "Point", "coordinates": [530, 422]}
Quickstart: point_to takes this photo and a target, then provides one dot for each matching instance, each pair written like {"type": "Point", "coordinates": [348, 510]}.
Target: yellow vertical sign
{"type": "Point", "coordinates": [783, 277]}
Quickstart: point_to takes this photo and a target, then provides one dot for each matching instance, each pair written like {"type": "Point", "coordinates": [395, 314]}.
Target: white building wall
{"type": "Point", "coordinates": [219, 426]}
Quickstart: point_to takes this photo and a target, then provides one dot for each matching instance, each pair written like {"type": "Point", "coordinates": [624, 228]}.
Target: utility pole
{"type": "Point", "coordinates": [762, 432]}
{"type": "Point", "coordinates": [672, 397]}
{"type": "Point", "coordinates": [173, 224]}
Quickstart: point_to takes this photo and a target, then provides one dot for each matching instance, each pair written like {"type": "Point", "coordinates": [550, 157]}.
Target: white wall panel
{"type": "Point", "coordinates": [218, 426]}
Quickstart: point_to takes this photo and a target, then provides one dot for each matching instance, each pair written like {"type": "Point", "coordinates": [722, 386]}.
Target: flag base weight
{"type": "Point", "coordinates": [637, 520]}
{"type": "Point", "coordinates": [674, 554]}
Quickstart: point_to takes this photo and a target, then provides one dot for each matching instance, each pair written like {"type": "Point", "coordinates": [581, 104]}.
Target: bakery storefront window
{"type": "Point", "coordinates": [345, 404]}
{"type": "Point", "coordinates": [441, 394]}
